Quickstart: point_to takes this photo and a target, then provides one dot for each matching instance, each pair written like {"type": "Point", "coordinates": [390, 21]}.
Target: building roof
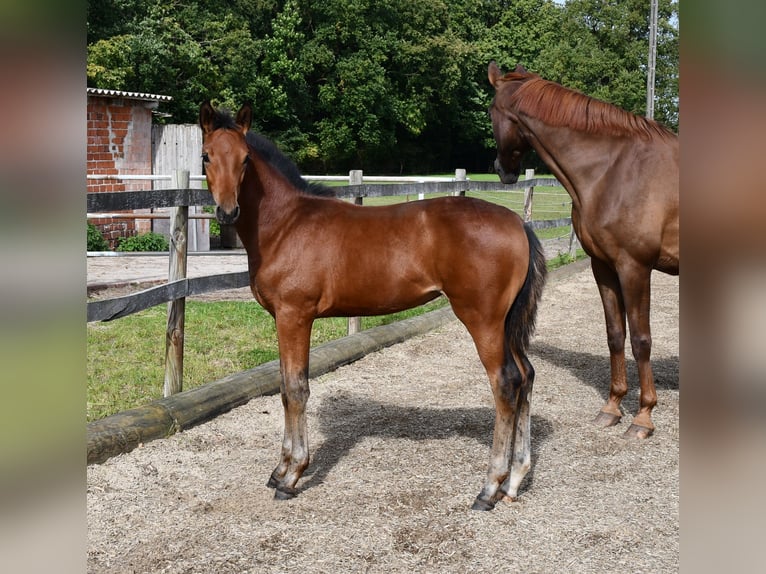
{"type": "Point", "coordinates": [131, 95]}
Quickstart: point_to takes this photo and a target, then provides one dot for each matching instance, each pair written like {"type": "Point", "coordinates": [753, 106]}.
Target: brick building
{"type": "Point", "coordinates": [120, 142]}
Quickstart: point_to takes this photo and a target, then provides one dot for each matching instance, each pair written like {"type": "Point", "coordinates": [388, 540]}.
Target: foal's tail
{"type": "Point", "coordinates": [520, 321]}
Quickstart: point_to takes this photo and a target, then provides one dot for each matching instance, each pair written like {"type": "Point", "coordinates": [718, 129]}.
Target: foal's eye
{"type": "Point", "coordinates": [205, 157]}
{"type": "Point", "coordinates": [244, 161]}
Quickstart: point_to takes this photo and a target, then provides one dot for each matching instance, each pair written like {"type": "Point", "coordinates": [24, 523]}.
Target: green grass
{"type": "Point", "coordinates": [565, 259]}
{"type": "Point", "coordinates": [125, 358]}
{"type": "Point", "coordinates": [549, 202]}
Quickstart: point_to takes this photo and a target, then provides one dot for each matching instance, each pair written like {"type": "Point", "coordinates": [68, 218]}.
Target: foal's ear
{"type": "Point", "coordinates": [206, 114]}
{"type": "Point", "coordinates": [245, 117]}
{"type": "Point", "coordinates": [520, 69]}
{"type": "Point", "coordinates": [494, 74]}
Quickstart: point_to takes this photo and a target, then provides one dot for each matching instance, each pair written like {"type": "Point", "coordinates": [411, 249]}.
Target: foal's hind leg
{"type": "Point", "coordinates": [505, 383]}
{"type": "Point", "coordinates": [521, 460]}
{"type": "Point", "coordinates": [294, 334]}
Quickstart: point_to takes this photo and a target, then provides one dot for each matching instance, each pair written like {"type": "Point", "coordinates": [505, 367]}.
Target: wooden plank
{"type": "Point", "coordinates": [546, 223]}
{"type": "Point", "coordinates": [519, 185]}
{"type": "Point", "coordinates": [388, 190]}
{"type": "Point", "coordinates": [220, 282]}
{"type": "Point", "coordinates": [177, 147]}
{"type": "Point", "coordinates": [110, 309]}
{"type": "Point", "coordinates": [157, 198]}
{"type": "Point", "coordinates": [146, 199]}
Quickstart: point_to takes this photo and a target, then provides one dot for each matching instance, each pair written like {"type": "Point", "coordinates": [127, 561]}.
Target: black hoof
{"type": "Point", "coordinates": [480, 504]}
{"type": "Point", "coordinates": [285, 493]}
{"type": "Point", "coordinates": [273, 482]}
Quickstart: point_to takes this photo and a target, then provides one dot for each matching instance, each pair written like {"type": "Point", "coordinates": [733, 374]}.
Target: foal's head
{"type": "Point", "coordinates": [225, 156]}
{"type": "Point", "coordinates": [511, 143]}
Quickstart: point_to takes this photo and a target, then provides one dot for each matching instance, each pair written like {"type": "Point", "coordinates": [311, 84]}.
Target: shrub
{"type": "Point", "coordinates": [145, 242]}
{"type": "Point", "coordinates": [96, 241]}
{"type": "Point", "coordinates": [215, 227]}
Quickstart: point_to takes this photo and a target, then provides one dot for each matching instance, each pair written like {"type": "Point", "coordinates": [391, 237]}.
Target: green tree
{"type": "Point", "coordinates": [602, 50]}
{"type": "Point", "coordinates": [283, 72]}
{"type": "Point", "coordinates": [383, 85]}
{"type": "Point", "coordinates": [372, 92]}
{"type": "Point", "coordinates": [109, 18]}
{"type": "Point", "coordinates": [156, 54]}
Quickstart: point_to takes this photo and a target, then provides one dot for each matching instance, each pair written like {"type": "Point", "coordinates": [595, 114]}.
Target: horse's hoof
{"type": "Point", "coordinates": [273, 482]}
{"type": "Point", "coordinates": [638, 432]}
{"type": "Point", "coordinates": [285, 493]}
{"type": "Point", "coordinates": [605, 420]}
{"type": "Point", "coordinates": [480, 504]}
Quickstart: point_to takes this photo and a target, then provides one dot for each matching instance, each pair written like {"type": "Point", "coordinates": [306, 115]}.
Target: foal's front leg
{"type": "Point", "coordinates": [294, 334]}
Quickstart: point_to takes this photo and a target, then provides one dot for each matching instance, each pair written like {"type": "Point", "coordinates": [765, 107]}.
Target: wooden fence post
{"type": "Point", "coordinates": [355, 177]}
{"type": "Point", "coordinates": [573, 243]}
{"type": "Point", "coordinates": [174, 335]}
{"type": "Point", "coordinates": [460, 176]}
{"type": "Point", "coordinates": [528, 193]}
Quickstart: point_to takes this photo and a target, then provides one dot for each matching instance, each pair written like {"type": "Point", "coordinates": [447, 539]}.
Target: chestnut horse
{"type": "Point", "coordinates": [622, 173]}
{"type": "Point", "coordinates": [312, 255]}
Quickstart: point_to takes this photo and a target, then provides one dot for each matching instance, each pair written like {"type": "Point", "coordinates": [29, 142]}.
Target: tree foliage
{"type": "Point", "coordinates": [603, 49]}
{"type": "Point", "coordinates": [382, 85]}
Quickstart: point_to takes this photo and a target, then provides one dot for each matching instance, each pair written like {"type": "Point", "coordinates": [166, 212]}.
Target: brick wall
{"type": "Point", "coordinates": [119, 142]}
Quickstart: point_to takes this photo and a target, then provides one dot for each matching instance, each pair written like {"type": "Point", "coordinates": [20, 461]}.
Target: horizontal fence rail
{"type": "Point", "coordinates": [182, 197]}
{"type": "Point", "coordinates": [109, 309]}
{"type": "Point", "coordinates": [153, 198]}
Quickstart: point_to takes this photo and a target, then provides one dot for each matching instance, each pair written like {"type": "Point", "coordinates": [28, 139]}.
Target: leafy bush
{"type": "Point", "coordinates": [145, 242]}
{"type": "Point", "coordinates": [96, 241]}
{"type": "Point", "coordinates": [215, 227]}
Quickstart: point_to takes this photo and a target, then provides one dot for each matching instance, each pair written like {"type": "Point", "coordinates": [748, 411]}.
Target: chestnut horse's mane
{"type": "Point", "coordinates": [271, 154]}
{"type": "Point", "coordinates": [558, 106]}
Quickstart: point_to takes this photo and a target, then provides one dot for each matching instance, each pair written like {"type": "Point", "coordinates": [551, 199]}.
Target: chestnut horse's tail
{"type": "Point", "coordinates": [520, 321]}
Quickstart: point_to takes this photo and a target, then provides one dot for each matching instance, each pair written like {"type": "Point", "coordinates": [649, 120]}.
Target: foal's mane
{"type": "Point", "coordinates": [271, 154]}
{"type": "Point", "coordinates": [558, 106]}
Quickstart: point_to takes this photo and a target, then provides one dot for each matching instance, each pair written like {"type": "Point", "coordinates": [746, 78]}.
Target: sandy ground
{"type": "Point", "coordinates": [131, 269]}
{"type": "Point", "coordinates": [400, 441]}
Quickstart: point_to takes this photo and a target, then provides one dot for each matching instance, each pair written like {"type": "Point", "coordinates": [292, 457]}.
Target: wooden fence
{"type": "Point", "coordinates": [180, 197]}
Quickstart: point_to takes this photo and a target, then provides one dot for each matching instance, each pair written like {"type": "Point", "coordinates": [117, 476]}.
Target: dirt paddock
{"type": "Point", "coordinates": [400, 443]}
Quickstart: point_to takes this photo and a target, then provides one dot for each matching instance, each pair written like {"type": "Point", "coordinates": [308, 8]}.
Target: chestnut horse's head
{"type": "Point", "coordinates": [511, 143]}
{"type": "Point", "coordinates": [225, 156]}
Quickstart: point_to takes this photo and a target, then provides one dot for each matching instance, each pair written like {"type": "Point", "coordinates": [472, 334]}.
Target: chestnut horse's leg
{"type": "Point", "coordinates": [614, 312]}
{"type": "Point", "coordinates": [636, 282]}
{"type": "Point", "coordinates": [293, 333]}
{"type": "Point", "coordinates": [628, 293]}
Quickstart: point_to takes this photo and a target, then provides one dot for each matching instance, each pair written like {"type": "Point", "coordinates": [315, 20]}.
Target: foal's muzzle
{"type": "Point", "coordinates": [227, 218]}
